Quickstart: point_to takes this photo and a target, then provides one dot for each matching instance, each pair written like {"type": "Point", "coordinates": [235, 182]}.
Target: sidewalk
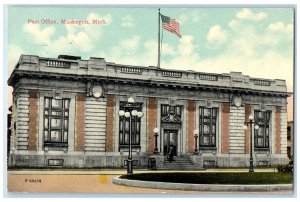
{"type": "Point", "coordinates": [99, 182]}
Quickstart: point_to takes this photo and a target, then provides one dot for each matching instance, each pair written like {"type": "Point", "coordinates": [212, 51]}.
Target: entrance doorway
{"type": "Point", "coordinates": [170, 138]}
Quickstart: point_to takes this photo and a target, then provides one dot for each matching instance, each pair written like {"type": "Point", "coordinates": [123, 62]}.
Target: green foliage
{"type": "Point", "coordinates": [216, 178]}
{"type": "Point", "coordinates": [286, 168]}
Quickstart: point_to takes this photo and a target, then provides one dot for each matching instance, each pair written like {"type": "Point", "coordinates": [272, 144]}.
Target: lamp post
{"type": "Point", "coordinates": [130, 111]}
{"type": "Point", "coordinates": [196, 137]}
{"type": "Point", "coordinates": [155, 130]}
{"type": "Point", "coordinates": [256, 127]}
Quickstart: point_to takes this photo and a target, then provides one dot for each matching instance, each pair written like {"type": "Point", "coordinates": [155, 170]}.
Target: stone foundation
{"type": "Point", "coordinates": [231, 161]}
{"type": "Point", "coordinates": [75, 161]}
{"type": "Point", "coordinates": [117, 161]}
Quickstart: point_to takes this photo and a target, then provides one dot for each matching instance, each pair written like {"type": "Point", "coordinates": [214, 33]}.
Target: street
{"type": "Point", "coordinates": [89, 182]}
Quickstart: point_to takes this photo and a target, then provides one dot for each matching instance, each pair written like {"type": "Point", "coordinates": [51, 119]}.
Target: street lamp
{"type": "Point", "coordinates": [196, 137]}
{"type": "Point", "coordinates": [256, 127]}
{"type": "Point", "coordinates": [130, 111]}
{"type": "Point", "coordinates": [155, 130]}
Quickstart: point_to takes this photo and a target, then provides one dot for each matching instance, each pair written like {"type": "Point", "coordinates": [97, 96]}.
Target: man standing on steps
{"type": "Point", "coordinates": [171, 153]}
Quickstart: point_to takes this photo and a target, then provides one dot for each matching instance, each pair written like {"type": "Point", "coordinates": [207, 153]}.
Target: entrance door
{"type": "Point", "coordinates": [170, 138]}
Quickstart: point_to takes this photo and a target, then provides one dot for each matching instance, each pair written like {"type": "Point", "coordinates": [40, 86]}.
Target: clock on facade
{"type": "Point", "coordinates": [97, 91]}
{"type": "Point", "coordinates": [237, 100]}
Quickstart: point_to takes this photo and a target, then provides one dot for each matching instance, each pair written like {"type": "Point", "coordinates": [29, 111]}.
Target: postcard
{"type": "Point", "coordinates": [177, 100]}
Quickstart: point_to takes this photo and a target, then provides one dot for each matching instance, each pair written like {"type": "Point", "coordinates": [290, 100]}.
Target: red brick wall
{"type": "Point", "coordinates": [33, 115]}
{"type": "Point", "coordinates": [152, 110]}
{"type": "Point", "coordinates": [225, 128]}
{"type": "Point", "coordinates": [277, 130]}
{"type": "Point", "coordinates": [247, 132]}
{"type": "Point", "coordinates": [80, 125]}
{"type": "Point", "coordinates": [191, 125]}
{"type": "Point", "coordinates": [110, 120]}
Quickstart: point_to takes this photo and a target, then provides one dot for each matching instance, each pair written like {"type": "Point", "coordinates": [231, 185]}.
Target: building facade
{"type": "Point", "coordinates": [66, 113]}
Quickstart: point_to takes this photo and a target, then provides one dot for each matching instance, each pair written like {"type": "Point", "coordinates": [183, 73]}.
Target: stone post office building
{"type": "Point", "coordinates": [66, 113]}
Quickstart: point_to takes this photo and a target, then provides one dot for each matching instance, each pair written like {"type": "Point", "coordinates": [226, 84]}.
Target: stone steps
{"type": "Point", "coordinates": [179, 163]}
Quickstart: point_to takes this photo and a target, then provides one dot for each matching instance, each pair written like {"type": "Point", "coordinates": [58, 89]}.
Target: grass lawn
{"type": "Point", "coordinates": [215, 178]}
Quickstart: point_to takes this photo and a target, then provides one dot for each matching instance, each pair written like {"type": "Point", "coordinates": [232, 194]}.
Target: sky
{"type": "Point", "coordinates": [255, 41]}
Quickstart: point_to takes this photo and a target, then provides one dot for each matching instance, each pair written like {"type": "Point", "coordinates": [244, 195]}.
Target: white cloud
{"type": "Point", "coordinates": [185, 55]}
{"type": "Point", "coordinates": [94, 16]}
{"type": "Point", "coordinates": [234, 61]}
{"type": "Point", "coordinates": [193, 16]}
{"type": "Point", "coordinates": [151, 47]}
{"type": "Point", "coordinates": [244, 42]}
{"type": "Point", "coordinates": [79, 41]}
{"type": "Point", "coordinates": [254, 54]}
{"type": "Point", "coordinates": [233, 24]}
{"type": "Point", "coordinates": [216, 35]}
{"type": "Point", "coordinates": [196, 17]}
{"type": "Point", "coordinates": [249, 40]}
{"type": "Point", "coordinates": [78, 37]}
{"type": "Point", "coordinates": [183, 18]}
{"type": "Point", "coordinates": [95, 31]}
{"type": "Point", "coordinates": [131, 43]}
{"type": "Point", "coordinates": [247, 14]}
{"type": "Point", "coordinates": [125, 52]}
{"type": "Point", "coordinates": [127, 21]}
{"type": "Point", "coordinates": [281, 27]}
{"type": "Point", "coordinates": [167, 49]}
{"type": "Point", "coordinates": [238, 55]}
{"type": "Point", "coordinates": [14, 53]}
{"type": "Point", "coordinates": [186, 45]}
{"type": "Point", "coordinates": [40, 35]}
{"type": "Point", "coordinates": [140, 54]}
{"type": "Point", "coordinates": [92, 30]}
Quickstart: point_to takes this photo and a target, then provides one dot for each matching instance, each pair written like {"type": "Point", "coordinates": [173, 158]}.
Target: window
{"type": "Point", "coordinates": [56, 122]}
{"type": "Point", "coordinates": [289, 152]}
{"type": "Point", "coordinates": [124, 124]}
{"type": "Point", "coordinates": [207, 126]}
{"type": "Point", "coordinates": [289, 133]}
{"type": "Point", "coordinates": [261, 136]}
{"type": "Point", "coordinates": [166, 109]}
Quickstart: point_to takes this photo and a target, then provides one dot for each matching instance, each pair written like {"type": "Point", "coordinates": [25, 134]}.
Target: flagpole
{"type": "Point", "coordinates": [158, 47]}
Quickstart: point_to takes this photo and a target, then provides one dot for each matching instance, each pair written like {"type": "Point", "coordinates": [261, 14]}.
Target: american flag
{"type": "Point", "coordinates": [171, 25]}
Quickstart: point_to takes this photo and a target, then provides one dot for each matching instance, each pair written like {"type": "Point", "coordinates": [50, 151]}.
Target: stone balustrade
{"type": "Point", "coordinates": [261, 82]}
{"type": "Point", "coordinates": [131, 70]}
{"type": "Point", "coordinates": [208, 77]}
{"type": "Point", "coordinates": [171, 74]}
{"type": "Point", "coordinates": [56, 63]}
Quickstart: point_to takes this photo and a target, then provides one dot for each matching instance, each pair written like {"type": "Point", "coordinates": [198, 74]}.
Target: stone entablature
{"type": "Point", "coordinates": [97, 68]}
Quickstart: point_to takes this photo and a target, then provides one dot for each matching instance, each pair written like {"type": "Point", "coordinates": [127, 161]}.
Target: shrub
{"type": "Point", "coordinates": [286, 168]}
{"type": "Point", "coordinates": [215, 177]}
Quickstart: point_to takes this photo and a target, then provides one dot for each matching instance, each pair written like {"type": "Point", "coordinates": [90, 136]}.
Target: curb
{"type": "Point", "coordinates": [203, 187]}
